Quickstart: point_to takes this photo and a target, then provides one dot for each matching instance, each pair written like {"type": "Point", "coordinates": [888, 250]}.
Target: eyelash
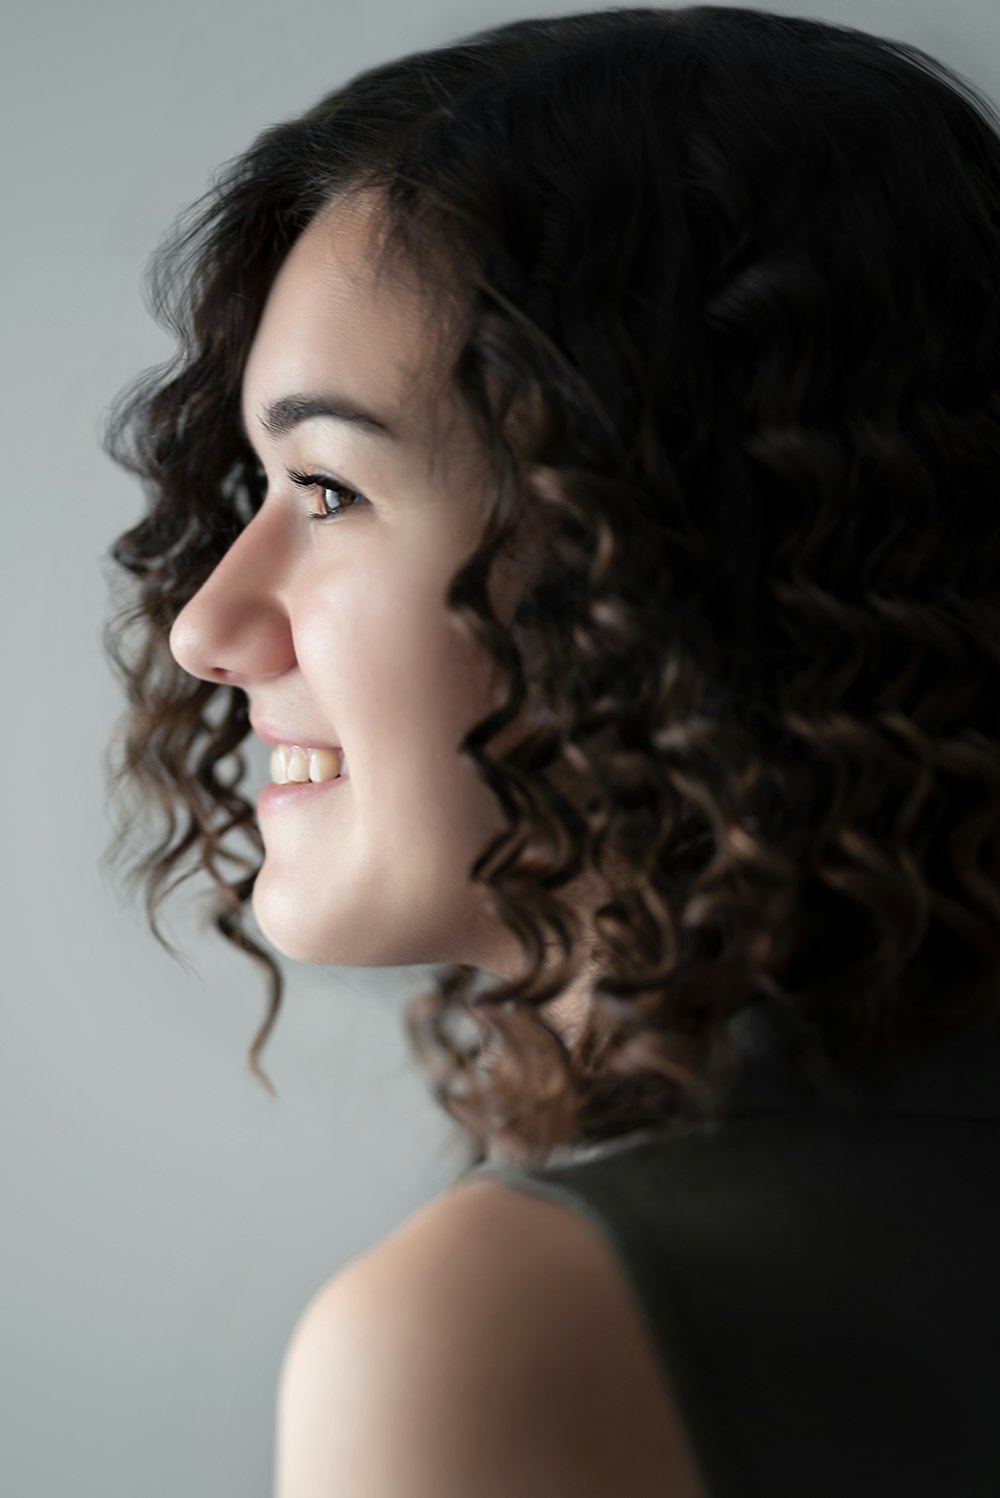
{"type": "Point", "coordinates": [321, 482]}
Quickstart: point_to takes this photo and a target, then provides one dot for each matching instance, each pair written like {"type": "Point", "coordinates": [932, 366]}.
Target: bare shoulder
{"type": "Point", "coordinates": [490, 1345]}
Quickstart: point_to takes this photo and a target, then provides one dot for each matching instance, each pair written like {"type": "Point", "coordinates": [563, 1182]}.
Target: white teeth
{"type": "Point", "coordinates": [291, 762]}
{"type": "Point", "coordinates": [326, 764]}
{"type": "Point", "coordinates": [297, 765]}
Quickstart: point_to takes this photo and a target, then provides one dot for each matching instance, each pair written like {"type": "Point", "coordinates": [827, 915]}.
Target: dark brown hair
{"type": "Point", "coordinates": [742, 272]}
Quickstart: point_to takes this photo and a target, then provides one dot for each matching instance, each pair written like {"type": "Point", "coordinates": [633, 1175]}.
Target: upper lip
{"type": "Point", "coordinates": [272, 735]}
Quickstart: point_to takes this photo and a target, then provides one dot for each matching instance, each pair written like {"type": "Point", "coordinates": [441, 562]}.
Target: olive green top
{"type": "Point", "coordinates": [822, 1283]}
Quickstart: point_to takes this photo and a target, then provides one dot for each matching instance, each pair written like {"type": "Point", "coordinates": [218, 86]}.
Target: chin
{"type": "Point", "coordinates": [279, 919]}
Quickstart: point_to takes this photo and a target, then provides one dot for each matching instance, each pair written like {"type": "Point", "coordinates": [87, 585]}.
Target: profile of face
{"type": "Point", "coordinates": [338, 630]}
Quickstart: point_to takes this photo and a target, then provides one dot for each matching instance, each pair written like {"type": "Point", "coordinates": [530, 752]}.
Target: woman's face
{"type": "Point", "coordinates": [338, 631]}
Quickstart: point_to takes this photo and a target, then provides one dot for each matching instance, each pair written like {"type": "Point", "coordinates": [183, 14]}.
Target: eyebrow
{"type": "Point", "coordinates": [283, 415]}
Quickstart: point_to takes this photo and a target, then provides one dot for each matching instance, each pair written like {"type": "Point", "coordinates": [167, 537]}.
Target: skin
{"type": "Point", "coordinates": [340, 627]}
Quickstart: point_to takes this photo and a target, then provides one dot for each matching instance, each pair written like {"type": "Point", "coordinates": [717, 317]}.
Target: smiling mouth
{"type": "Point", "coordinates": [292, 764]}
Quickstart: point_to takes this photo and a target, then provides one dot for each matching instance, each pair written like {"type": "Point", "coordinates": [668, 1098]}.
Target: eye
{"type": "Point", "coordinates": [326, 486]}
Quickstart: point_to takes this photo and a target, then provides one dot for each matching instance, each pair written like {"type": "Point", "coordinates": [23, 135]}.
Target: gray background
{"type": "Point", "coordinates": [164, 1221]}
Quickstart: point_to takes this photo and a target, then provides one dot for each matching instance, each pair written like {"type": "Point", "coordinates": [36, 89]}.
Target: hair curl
{"type": "Point", "coordinates": [742, 272]}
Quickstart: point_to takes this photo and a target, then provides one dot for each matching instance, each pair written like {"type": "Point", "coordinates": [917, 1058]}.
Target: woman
{"type": "Point", "coordinates": [640, 371]}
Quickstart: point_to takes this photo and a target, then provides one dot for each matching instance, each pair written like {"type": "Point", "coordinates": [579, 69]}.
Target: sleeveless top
{"type": "Point", "coordinates": [821, 1284]}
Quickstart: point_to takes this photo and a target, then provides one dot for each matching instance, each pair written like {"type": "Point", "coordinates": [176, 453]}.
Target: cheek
{"type": "Point", "coordinates": [434, 682]}
{"type": "Point", "coordinates": [388, 664]}
{"type": "Point", "coordinates": [331, 609]}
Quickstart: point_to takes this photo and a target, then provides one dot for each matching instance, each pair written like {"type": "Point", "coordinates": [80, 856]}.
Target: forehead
{"type": "Point", "coordinates": [336, 317]}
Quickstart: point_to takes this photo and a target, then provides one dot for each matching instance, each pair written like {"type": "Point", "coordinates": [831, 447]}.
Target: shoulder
{"type": "Point", "coordinates": [490, 1345]}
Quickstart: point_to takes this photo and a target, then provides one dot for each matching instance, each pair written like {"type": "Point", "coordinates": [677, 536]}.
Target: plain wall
{"type": "Point", "coordinates": [164, 1220]}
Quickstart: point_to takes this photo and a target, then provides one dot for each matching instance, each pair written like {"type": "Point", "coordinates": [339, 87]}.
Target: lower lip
{"type": "Point", "coordinates": [296, 792]}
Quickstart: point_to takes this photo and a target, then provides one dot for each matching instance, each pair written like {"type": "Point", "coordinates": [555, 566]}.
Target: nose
{"type": "Point", "coordinates": [236, 627]}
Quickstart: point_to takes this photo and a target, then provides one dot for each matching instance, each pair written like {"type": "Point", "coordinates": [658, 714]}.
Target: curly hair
{"type": "Point", "coordinates": [737, 277]}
